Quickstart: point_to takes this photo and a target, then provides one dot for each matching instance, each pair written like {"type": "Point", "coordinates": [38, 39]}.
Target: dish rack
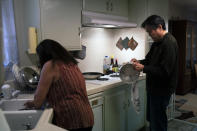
{"type": "Point", "coordinates": [171, 107]}
{"type": "Point", "coordinates": [17, 77]}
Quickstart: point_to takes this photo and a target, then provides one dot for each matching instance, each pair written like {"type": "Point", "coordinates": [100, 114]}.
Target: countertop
{"type": "Point", "coordinates": [96, 86]}
{"type": "Point", "coordinates": [92, 86]}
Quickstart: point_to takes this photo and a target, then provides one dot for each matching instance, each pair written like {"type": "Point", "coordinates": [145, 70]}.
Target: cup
{"type": "Point", "coordinates": [7, 91]}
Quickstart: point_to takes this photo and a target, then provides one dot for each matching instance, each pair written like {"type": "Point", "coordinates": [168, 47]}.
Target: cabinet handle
{"type": "Point", "coordinates": [107, 5]}
{"type": "Point", "coordinates": [111, 6]}
{"type": "Point", "coordinates": [79, 30]}
{"type": "Point", "coordinates": [124, 106]}
{"type": "Point", "coordinates": [94, 102]}
{"type": "Point", "coordinates": [129, 102]}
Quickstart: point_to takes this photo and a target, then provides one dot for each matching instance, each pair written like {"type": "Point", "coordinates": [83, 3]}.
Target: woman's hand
{"type": "Point", "coordinates": [29, 105]}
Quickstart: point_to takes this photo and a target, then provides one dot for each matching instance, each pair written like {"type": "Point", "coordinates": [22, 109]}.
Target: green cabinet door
{"type": "Point", "coordinates": [115, 110]}
{"type": "Point", "coordinates": [97, 104]}
{"type": "Point", "coordinates": [58, 24]}
{"type": "Point", "coordinates": [114, 7]}
{"type": "Point", "coordinates": [96, 5]}
{"type": "Point", "coordinates": [136, 120]}
{"type": "Point", "coordinates": [119, 7]}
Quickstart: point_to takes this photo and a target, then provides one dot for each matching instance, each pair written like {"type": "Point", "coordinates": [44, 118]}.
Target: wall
{"type": "Point", "coordinates": [23, 20]}
{"type": "Point", "coordinates": [179, 12]}
{"type": "Point", "coordinates": [101, 42]}
{"type": "Point", "coordinates": [1, 57]}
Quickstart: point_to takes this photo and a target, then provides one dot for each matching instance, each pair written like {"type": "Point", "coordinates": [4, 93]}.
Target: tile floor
{"type": "Point", "coordinates": [176, 125]}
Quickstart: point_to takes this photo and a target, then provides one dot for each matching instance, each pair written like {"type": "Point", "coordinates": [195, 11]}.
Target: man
{"type": "Point", "coordinates": [161, 68]}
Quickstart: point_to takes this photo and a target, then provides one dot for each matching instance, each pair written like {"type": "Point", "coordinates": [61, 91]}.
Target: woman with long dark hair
{"type": "Point", "coordinates": [63, 86]}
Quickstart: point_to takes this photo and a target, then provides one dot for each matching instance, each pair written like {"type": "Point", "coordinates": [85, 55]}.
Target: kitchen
{"type": "Point", "coordinates": [99, 42]}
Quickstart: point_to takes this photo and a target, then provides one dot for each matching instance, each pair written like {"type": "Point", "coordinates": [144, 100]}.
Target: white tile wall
{"type": "Point", "coordinates": [101, 42]}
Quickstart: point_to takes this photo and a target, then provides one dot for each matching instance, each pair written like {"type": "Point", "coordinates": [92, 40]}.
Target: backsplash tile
{"type": "Point", "coordinates": [101, 42]}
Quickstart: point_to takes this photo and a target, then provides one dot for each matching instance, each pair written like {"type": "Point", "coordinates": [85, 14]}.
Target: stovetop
{"type": "Point", "coordinates": [104, 79]}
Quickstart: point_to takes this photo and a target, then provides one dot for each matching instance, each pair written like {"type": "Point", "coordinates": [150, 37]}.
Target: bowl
{"type": "Point", "coordinates": [30, 77]}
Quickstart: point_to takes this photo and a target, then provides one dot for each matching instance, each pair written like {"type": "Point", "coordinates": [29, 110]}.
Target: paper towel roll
{"type": "Point", "coordinates": [32, 37]}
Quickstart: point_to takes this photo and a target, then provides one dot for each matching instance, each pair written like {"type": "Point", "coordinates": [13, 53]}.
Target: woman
{"type": "Point", "coordinates": [63, 86]}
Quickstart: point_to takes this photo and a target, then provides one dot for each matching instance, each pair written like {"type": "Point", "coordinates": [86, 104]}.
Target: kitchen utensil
{"type": "Point", "coordinates": [132, 44]}
{"type": "Point", "coordinates": [125, 43]}
{"type": "Point", "coordinates": [80, 54]}
{"type": "Point", "coordinates": [119, 44]}
{"type": "Point", "coordinates": [17, 77]}
{"type": "Point", "coordinates": [30, 77]}
{"type": "Point", "coordinates": [130, 76]}
{"type": "Point", "coordinates": [7, 91]}
{"type": "Point", "coordinates": [92, 75]}
{"type": "Point", "coordinates": [26, 77]}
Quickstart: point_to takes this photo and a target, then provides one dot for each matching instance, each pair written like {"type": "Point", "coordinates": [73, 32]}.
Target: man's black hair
{"type": "Point", "coordinates": [154, 21]}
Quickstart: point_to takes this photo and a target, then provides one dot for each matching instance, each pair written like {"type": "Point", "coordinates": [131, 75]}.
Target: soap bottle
{"type": "Point", "coordinates": [105, 64]}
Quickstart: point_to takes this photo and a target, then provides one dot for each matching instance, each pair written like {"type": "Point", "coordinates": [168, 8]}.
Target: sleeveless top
{"type": "Point", "coordinates": [68, 98]}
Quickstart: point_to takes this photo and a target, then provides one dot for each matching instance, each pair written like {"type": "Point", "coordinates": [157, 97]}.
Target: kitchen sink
{"type": "Point", "coordinates": [22, 120]}
{"type": "Point", "coordinates": [13, 104]}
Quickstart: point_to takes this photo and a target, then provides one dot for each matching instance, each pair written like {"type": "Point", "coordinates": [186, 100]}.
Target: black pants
{"type": "Point", "coordinates": [156, 112]}
{"type": "Point", "coordinates": [83, 129]}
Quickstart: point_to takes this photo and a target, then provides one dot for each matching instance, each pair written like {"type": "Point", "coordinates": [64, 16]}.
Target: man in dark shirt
{"type": "Point", "coordinates": [161, 68]}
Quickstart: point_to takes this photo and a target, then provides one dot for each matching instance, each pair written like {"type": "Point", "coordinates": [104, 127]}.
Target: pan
{"type": "Point", "coordinates": [92, 75]}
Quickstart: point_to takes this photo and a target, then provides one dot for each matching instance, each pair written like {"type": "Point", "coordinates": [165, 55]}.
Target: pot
{"type": "Point", "coordinates": [92, 75]}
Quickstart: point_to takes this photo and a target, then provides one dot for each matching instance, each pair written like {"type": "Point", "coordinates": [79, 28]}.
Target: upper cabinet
{"type": "Point", "coordinates": [61, 21]}
{"type": "Point", "coordinates": [114, 7]}
{"type": "Point", "coordinates": [139, 10]}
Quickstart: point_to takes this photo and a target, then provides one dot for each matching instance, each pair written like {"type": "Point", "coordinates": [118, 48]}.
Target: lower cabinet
{"type": "Point", "coordinates": [136, 121]}
{"type": "Point", "coordinates": [97, 104]}
{"type": "Point", "coordinates": [114, 111]}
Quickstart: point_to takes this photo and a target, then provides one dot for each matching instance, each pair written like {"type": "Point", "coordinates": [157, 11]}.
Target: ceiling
{"type": "Point", "coordinates": [188, 4]}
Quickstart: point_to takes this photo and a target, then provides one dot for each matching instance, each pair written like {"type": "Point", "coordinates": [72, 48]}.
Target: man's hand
{"type": "Point", "coordinates": [138, 66]}
{"type": "Point", "coordinates": [134, 60]}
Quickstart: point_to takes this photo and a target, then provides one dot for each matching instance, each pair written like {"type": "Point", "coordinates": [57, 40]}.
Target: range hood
{"type": "Point", "coordinates": [93, 19]}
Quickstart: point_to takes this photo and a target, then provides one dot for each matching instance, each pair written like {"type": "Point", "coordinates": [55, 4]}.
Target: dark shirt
{"type": "Point", "coordinates": [161, 66]}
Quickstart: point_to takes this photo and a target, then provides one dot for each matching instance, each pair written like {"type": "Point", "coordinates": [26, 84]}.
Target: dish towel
{"type": "Point", "coordinates": [135, 97]}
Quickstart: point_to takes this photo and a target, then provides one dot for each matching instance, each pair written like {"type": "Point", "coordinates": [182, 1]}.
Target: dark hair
{"type": "Point", "coordinates": [154, 21]}
{"type": "Point", "coordinates": [52, 50]}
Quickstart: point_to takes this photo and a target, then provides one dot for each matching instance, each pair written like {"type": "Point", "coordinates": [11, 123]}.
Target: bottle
{"type": "Point", "coordinates": [116, 66]}
{"type": "Point", "coordinates": [7, 91]}
{"type": "Point", "coordinates": [112, 64]}
{"type": "Point", "coordinates": [105, 64]}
